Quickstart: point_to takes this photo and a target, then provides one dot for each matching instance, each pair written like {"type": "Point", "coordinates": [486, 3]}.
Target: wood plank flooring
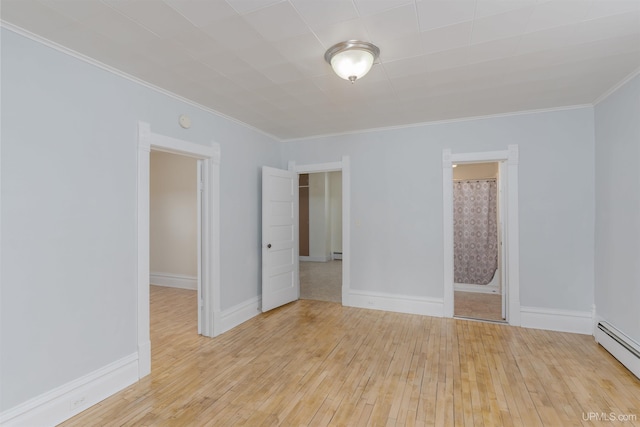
{"type": "Point", "coordinates": [313, 363]}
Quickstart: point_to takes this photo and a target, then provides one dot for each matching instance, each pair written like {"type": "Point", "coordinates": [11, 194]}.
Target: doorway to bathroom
{"type": "Point", "coordinates": [477, 242]}
{"type": "Point", "coordinates": [508, 235]}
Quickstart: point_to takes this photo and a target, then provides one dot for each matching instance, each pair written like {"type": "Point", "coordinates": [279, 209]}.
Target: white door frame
{"type": "Point", "coordinates": [511, 238]}
{"type": "Point", "coordinates": [209, 238]}
{"type": "Point", "coordinates": [344, 167]}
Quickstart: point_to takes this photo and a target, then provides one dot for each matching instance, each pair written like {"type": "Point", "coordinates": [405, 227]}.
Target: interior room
{"type": "Point", "coordinates": [259, 93]}
{"type": "Point", "coordinates": [320, 225]}
{"type": "Point", "coordinates": [173, 231]}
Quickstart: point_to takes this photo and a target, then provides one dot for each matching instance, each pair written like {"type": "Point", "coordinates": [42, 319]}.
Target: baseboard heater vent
{"type": "Point", "coordinates": [620, 346]}
{"type": "Point", "coordinates": [337, 255]}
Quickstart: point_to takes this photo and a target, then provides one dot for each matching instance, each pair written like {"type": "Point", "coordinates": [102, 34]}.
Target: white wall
{"type": "Point", "coordinates": [319, 219]}
{"type": "Point", "coordinates": [173, 215]}
{"type": "Point", "coordinates": [617, 220]}
{"type": "Point", "coordinates": [69, 158]}
{"type": "Point", "coordinates": [396, 203]}
{"type": "Point", "coordinates": [325, 215]}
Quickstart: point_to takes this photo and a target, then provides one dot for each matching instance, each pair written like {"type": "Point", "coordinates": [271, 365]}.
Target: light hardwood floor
{"type": "Point", "coordinates": [318, 363]}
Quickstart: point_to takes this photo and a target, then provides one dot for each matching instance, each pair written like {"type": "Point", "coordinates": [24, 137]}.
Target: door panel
{"type": "Point", "coordinates": [280, 282]}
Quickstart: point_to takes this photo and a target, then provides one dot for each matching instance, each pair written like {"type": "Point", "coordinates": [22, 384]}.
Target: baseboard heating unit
{"type": "Point", "coordinates": [620, 346]}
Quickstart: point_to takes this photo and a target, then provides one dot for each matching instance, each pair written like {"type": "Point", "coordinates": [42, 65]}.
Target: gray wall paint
{"type": "Point", "coordinates": [396, 193]}
{"type": "Point", "coordinates": [69, 150]}
{"type": "Point", "coordinates": [617, 244]}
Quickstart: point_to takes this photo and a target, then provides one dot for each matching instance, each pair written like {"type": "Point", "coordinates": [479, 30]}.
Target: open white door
{"type": "Point", "coordinates": [280, 283]}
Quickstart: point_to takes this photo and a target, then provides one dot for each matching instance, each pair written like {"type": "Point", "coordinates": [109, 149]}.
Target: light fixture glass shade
{"type": "Point", "coordinates": [352, 64]}
{"type": "Point", "coordinates": [352, 59]}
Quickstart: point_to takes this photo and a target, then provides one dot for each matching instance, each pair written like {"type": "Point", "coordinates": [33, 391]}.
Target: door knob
{"type": "Point", "coordinates": [269, 246]}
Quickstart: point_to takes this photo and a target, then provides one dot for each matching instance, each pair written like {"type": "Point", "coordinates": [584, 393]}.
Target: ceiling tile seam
{"type": "Point", "coordinates": [313, 31]}
{"type": "Point", "coordinates": [256, 9]}
{"type": "Point", "coordinates": [263, 39]}
{"type": "Point", "coordinates": [170, 5]}
{"type": "Point", "coordinates": [311, 79]}
{"type": "Point", "coordinates": [608, 15]}
{"type": "Point", "coordinates": [415, 10]}
{"type": "Point", "coordinates": [131, 19]}
{"type": "Point", "coordinates": [94, 62]}
{"type": "Point", "coordinates": [473, 23]}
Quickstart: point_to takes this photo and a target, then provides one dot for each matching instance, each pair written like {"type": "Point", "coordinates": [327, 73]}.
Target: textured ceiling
{"type": "Point", "coordinates": [261, 61]}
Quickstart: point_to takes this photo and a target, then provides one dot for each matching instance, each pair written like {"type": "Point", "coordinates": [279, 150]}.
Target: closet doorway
{"type": "Point", "coordinates": [320, 227]}
{"type": "Point", "coordinates": [477, 242]}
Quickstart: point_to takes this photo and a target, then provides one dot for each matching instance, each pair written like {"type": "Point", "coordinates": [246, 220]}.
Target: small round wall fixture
{"type": "Point", "coordinates": [184, 121]}
{"type": "Point", "coordinates": [352, 59]}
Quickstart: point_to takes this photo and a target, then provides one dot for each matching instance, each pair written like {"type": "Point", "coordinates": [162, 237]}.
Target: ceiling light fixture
{"type": "Point", "coordinates": [352, 59]}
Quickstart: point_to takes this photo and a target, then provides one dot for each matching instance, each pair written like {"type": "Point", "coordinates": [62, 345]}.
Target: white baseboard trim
{"type": "Point", "coordinates": [617, 350]}
{"type": "Point", "coordinates": [64, 402]}
{"type": "Point", "coordinates": [479, 289]}
{"type": "Point", "coordinates": [578, 322]}
{"type": "Point", "coordinates": [144, 359]}
{"type": "Point", "coordinates": [315, 258]}
{"type": "Point", "coordinates": [398, 303]}
{"type": "Point", "coordinates": [174, 280]}
{"type": "Point", "coordinates": [239, 313]}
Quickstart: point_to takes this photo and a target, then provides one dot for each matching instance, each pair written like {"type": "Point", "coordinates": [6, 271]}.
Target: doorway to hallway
{"type": "Point", "coordinates": [320, 244]}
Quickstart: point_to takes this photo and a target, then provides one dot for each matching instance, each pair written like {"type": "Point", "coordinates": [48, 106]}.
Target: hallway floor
{"type": "Point", "coordinates": [321, 281]}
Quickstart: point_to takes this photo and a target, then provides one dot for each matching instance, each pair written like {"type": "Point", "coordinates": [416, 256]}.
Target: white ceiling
{"type": "Point", "coordinates": [261, 61]}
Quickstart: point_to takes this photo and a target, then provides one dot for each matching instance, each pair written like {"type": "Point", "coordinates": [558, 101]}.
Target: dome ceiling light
{"type": "Point", "coordinates": [352, 59]}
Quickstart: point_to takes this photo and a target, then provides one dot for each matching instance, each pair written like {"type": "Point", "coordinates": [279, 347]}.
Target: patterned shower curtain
{"type": "Point", "coordinates": [475, 231]}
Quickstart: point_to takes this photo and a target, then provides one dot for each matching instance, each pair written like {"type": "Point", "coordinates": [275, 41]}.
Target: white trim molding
{"type": "Point", "coordinates": [169, 280]}
{"type": "Point", "coordinates": [210, 233]}
{"type": "Point", "coordinates": [509, 160]}
{"type": "Point", "coordinates": [397, 303]}
{"type": "Point", "coordinates": [240, 313]}
{"type": "Point", "coordinates": [64, 402]}
{"type": "Point", "coordinates": [617, 86]}
{"type": "Point", "coordinates": [577, 322]}
{"type": "Point", "coordinates": [345, 167]}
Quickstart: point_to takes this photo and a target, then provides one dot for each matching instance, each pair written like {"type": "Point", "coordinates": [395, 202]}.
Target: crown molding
{"type": "Point", "coordinates": [82, 57]}
{"type": "Point", "coordinates": [616, 87]}
{"type": "Point", "coordinates": [439, 122]}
